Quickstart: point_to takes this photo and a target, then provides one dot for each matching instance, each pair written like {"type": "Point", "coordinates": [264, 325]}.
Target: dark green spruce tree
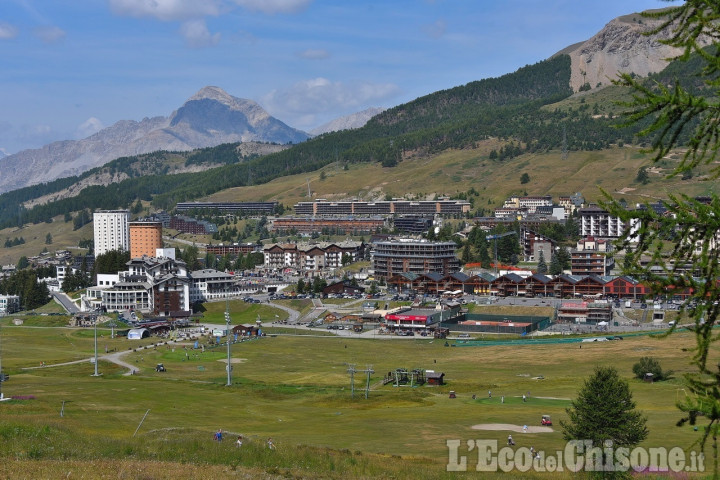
{"type": "Point", "coordinates": [604, 413]}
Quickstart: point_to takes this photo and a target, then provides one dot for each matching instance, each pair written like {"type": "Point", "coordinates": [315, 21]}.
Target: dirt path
{"type": "Point", "coordinates": [115, 357]}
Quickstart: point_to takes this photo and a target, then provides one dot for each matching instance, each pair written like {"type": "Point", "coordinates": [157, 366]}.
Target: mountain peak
{"type": "Point", "coordinates": [212, 93]}
{"type": "Point", "coordinates": [209, 118]}
{"type": "Point", "coordinates": [219, 95]}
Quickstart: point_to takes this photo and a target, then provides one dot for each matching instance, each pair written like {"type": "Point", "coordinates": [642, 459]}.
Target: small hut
{"type": "Point", "coordinates": [434, 378]}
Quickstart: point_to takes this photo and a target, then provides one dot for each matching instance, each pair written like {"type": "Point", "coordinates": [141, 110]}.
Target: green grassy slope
{"type": "Point", "coordinates": [297, 391]}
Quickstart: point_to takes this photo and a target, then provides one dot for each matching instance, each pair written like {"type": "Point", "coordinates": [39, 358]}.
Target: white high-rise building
{"type": "Point", "coordinates": [112, 230]}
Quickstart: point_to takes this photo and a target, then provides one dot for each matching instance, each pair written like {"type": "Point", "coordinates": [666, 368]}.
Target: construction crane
{"type": "Point", "coordinates": [495, 237]}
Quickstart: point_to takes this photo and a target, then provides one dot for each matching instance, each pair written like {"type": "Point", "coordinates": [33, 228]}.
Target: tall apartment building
{"type": "Point", "coordinates": [414, 256]}
{"type": "Point", "coordinates": [112, 231]}
{"type": "Point", "coordinates": [145, 238]}
{"type": "Point", "coordinates": [597, 222]}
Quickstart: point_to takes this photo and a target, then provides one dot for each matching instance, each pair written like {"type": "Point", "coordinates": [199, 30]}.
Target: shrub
{"type": "Point", "coordinates": [650, 365]}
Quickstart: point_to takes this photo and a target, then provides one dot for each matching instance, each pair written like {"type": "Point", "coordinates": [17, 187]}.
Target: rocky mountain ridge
{"type": "Point", "coordinates": [210, 117]}
{"type": "Point", "coordinates": [621, 46]}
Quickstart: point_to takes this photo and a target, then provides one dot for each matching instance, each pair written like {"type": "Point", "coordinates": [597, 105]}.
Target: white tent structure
{"type": "Point", "coordinates": [138, 333]}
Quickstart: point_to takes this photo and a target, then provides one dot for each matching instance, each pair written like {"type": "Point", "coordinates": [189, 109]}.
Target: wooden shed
{"type": "Point", "coordinates": [434, 378]}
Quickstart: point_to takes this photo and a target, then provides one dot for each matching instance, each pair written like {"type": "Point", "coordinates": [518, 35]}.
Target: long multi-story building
{"type": "Point", "coordinates": [413, 223]}
{"type": "Point", "coordinates": [386, 207]}
{"type": "Point", "coordinates": [233, 249]}
{"type": "Point", "coordinates": [415, 256]}
{"type": "Point", "coordinates": [145, 238]}
{"type": "Point", "coordinates": [312, 257]}
{"type": "Point", "coordinates": [265, 208]}
{"type": "Point", "coordinates": [111, 230]}
{"type": "Point", "coordinates": [343, 225]}
{"type": "Point", "coordinates": [529, 203]}
{"type": "Point", "coordinates": [185, 224]}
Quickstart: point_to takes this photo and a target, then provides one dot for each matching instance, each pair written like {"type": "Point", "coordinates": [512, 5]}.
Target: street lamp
{"type": "Point", "coordinates": [96, 374]}
{"type": "Point", "coordinates": [3, 377]}
{"type": "Point", "coordinates": [227, 325]}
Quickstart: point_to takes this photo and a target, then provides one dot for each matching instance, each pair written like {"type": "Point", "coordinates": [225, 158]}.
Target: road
{"type": "Point", "coordinates": [66, 302]}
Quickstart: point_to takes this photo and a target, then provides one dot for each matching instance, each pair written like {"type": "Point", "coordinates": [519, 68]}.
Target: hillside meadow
{"type": "Point", "coordinates": [455, 171]}
{"type": "Point", "coordinates": [297, 390]}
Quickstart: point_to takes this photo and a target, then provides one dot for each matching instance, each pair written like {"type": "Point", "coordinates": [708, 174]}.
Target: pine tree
{"type": "Point", "coordinates": [466, 257]}
{"type": "Point", "coordinates": [555, 267]}
{"type": "Point", "coordinates": [604, 411]}
{"type": "Point", "coordinates": [564, 258]}
{"type": "Point", "coordinates": [542, 267]}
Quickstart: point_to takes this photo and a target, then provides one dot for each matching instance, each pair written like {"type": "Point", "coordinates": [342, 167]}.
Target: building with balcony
{"type": "Point", "coordinates": [185, 224]}
{"type": "Point", "coordinates": [414, 224]}
{"type": "Point", "coordinates": [592, 257]}
{"type": "Point", "coordinates": [209, 284]}
{"type": "Point", "coordinates": [585, 312]}
{"type": "Point", "coordinates": [597, 222]}
{"type": "Point", "coordinates": [153, 285]}
{"type": "Point", "coordinates": [234, 249]}
{"type": "Point", "coordinates": [339, 225]}
{"type": "Point", "coordinates": [386, 207]}
{"type": "Point", "coordinates": [312, 257]}
{"type": "Point", "coordinates": [414, 256]}
{"type": "Point", "coordinates": [246, 208]}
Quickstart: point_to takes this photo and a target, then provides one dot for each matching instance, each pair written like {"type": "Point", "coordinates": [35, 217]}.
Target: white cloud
{"type": "Point", "coordinates": [166, 10]}
{"type": "Point", "coordinates": [7, 31]}
{"type": "Point", "coordinates": [274, 6]}
{"type": "Point", "coordinates": [436, 29]}
{"type": "Point", "coordinates": [50, 34]}
{"type": "Point", "coordinates": [314, 54]}
{"type": "Point", "coordinates": [303, 102]}
{"type": "Point", "coordinates": [88, 127]}
{"type": "Point", "coordinates": [197, 34]}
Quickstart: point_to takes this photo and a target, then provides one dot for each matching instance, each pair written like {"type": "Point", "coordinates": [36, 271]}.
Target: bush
{"type": "Point", "coordinates": [650, 365]}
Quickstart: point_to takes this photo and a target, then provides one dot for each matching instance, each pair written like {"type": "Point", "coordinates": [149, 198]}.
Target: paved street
{"type": "Point", "coordinates": [66, 302]}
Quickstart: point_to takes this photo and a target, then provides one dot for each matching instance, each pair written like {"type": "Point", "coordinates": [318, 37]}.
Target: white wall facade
{"type": "Point", "coordinates": [111, 230]}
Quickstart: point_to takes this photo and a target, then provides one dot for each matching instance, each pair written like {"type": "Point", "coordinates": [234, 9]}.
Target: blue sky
{"type": "Point", "coordinates": [71, 67]}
